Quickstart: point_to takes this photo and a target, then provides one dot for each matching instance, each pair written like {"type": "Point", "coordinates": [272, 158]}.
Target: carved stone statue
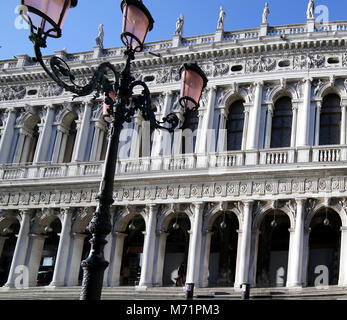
{"type": "Point", "coordinates": [310, 10]}
{"type": "Point", "coordinates": [221, 20]}
{"type": "Point", "coordinates": [100, 38]}
{"type": "Point", "coordinates": [179, 25]}
{"type": "Point", "coordinates": [266, 13]}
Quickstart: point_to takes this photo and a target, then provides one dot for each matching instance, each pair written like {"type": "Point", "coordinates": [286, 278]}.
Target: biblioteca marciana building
{"type": "Point", "coordinates": [251, 189]}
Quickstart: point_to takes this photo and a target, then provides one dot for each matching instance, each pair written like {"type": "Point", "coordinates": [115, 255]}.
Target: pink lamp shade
{"type": "Point", "coordinates": [193, 81]}
{"type": "Point", "coordinates": [106, 107]}
{"type": "Point", "coordinates": [137, 21]}
{"type": "Point", "coordinates": [48, 15]}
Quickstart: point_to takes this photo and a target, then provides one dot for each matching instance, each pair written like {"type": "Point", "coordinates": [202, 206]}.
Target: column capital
{"type": "Point", "coordinates": [26, 212]}
{"type": "Point", "coordinates": [247, 202]}
{"type": "Point", "coordinates": [119, 234]}
{"type": "Point", "coordinates": [76, 235]}
{"type": "Point", "coordinates": [259, 84]}
{"type": "Point", "coordinates": [198, 205]}
{"type": "Point", "coordinates": [300, 201]}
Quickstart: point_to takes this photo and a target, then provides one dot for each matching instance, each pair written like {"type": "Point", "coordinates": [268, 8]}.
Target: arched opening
{"type": "Point", "coordinates": [189, 128]}
{"type": "Point", "coordinates": [330, 120]}
{"type": "Point", "coordinates": [132, 251]}
{"type": "Point", "coordinates": [223, 254]}
{"type": "Point", "coordinates": [177, 246]}
{"type": "Point", "coordinates": [324, 248]}
{"type": "Point", "coordinates": [9, 236]}
{"type": "Point", "coordinates": [282, 123]}
{"type": "Point", "coordinates": [273, 248]}
{"type": "Point", "coordinates": [234, 125]}
{"type": "Point", "coordinates": [49, 253]}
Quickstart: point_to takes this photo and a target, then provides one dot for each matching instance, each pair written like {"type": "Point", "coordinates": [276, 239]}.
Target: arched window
{"type": "Point", "coordinates": [330, 120]}
{"type": "Point", "coordinates": [282, 123]}
{"type": "Point", "coordinates": [189, 128]}
{"type": "Point", "coordinates": [234, 125]}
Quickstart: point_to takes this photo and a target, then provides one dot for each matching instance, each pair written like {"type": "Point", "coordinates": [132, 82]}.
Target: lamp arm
{"type": "Point", "coordinates": [144, 104]}
{"type": "Point", "coordinates": [59, 68]}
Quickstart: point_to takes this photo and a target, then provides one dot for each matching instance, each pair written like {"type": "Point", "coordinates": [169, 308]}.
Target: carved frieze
{"type": "Point", "coordinates": [12, 93]}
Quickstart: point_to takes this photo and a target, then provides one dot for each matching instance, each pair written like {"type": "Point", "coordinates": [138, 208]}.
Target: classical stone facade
{"type": "Point", "coordinates": [253, 190]}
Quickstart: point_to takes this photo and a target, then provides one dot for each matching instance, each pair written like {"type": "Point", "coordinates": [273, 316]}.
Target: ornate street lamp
{"type": "Point", "coordinates": [46, 18]}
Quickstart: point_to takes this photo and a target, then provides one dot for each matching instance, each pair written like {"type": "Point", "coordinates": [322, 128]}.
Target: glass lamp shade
{"type": "Point", "coordinates": [106, 107]}
{"type": "Point", "coordinates": [48, 16]}
{"type": "Point", "coordinates": [137, 21]}
{"type": "Point", "coordinates": [193, 81]}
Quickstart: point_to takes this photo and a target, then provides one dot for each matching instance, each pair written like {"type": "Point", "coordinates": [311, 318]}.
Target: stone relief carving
{"type": "Point", "coordinates": [49, 90]}
{"type": "Point", "coordinates": [195, 191]}
{"type": "Point", "coordinates": [260, 65]}
{"type": "Point", "coordinates": [12, 93]}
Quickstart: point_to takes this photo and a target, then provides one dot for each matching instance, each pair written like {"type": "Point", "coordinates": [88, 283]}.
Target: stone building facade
{"type": "Point", "coordinates": [253, 189]}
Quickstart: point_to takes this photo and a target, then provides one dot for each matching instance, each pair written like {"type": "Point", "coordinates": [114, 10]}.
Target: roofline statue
{"type": "Point", "coordinates": [221, 19]}
{"type": "Point", "coordinates": [310, 10]}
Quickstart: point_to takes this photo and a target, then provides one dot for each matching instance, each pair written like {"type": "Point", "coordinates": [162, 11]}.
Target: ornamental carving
{"type": "Point", "coordinates": [260, 65]}
{"type": "Point", "coordinates": [12, 93]}
{"type": "Point", "coordinates": [50, 90]}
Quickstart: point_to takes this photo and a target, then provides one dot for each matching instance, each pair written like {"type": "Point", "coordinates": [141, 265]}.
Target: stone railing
{"type": "Point", "coordinates": [329, 153]}
{"type": "Point", "coordinates": [175, 163]}
{"type": "Point", "coordinates": [246, 34]}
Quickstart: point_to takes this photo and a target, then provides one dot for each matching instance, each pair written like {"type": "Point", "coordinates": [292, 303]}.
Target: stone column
{"type": "Point", "coordinates": [34, 255]}
{"type": "Point", "coordinates": [195, 245]}
{"type": "Point", "coordinates": [63, 249]}
{"type": "Point", "coordinates": [75, 257]}
{"type": "Point", "coordinates": [237, 282]}
{"type": "Point", "coordinates": [207, 123]}
{"type": "Point", "coordinates": [206, 259]}
{"type": "Point", "coordinates": [254, 126]}
{"type": "Point", "coordinates": [21, 248]}
{"type": "Point", "coordinates": [136, 138]}
{"type": "Point", "coordinates": [268, 132]}
{"type": "Point", "coordinates": [58, 143]}
{"type": "Point", "coordinates": [146, 279]}
{"type": "Point", "coordinates": [296, 255]}
{"type": "Point", "coordinates": [161, 258]}
{"type": "Point", "coordinates": [254, 119]}
{"type": "Point", "coordinates": [20, 145]}
{"type": "Point", "coordinates": [343, 258]}
{"type": "Point", "coordinates": [245, 246]}
{"type": "Point", "coordinates": [102, 131]}
{"type": "Point", "coordinates": [83, 133]}
{"type": "Point", "coordinates": [107, 254]}
{"type": "Point", "coordinates": [222, 131]}
{"type": "Point", "coordinates": [245, 129]}
{"type": "Point", "coordinates": [304, 125]}
{"type": "Point", "coordinates": [317, 132]}
{"type": "Point", "coordinates": [45, 135]}
{"type": "Point", "coordinates": [294, 125]}
{"type": "Point", "coordinates": [116, 259]}
{"type": "Point", "coordinates": [343, 123]}
{"type": "Point", "coordinates": [7, 136]}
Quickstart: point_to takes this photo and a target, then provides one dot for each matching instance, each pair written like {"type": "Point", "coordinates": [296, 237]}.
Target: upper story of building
{"type": "Point", "coordinates": [276, 101]}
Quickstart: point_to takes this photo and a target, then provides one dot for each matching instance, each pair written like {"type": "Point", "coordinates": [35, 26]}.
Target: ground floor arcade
{"type": "Point", "coordinates": [281, 243]}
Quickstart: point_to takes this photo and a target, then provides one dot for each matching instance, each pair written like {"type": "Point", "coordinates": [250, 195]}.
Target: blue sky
{"type": "Point", "coordinates": [81, 26]}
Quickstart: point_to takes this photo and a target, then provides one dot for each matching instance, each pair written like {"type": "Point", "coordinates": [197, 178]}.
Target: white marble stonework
{"type": "Point", "coordinates": [52, 150]}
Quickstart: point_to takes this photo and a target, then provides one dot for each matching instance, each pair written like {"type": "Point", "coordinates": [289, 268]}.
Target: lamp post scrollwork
{"type": "Point", "coordinates": [120, 105]}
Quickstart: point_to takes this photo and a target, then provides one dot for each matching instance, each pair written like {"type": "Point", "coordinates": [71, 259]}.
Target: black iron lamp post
{"type": "Point", "coordinates": [46, 18]}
